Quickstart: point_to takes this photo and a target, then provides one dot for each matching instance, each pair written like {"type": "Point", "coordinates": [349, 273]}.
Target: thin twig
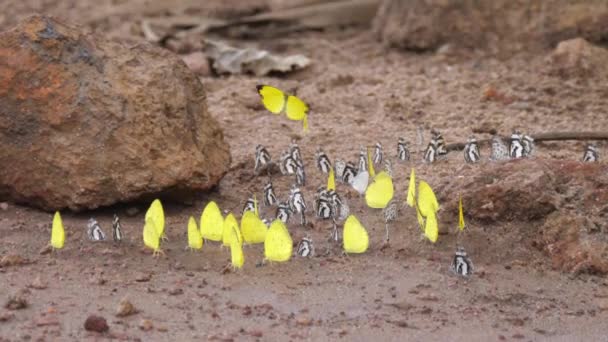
{"type": "Point", "coordinates": [550, 136]}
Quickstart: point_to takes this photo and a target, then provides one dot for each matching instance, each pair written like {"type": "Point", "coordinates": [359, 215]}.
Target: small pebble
{"type": "Point", "coordinates": [96, 323]}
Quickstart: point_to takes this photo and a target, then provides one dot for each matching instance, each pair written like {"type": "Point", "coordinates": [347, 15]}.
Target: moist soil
{"type": "Point", "coordinates": [359, 93]}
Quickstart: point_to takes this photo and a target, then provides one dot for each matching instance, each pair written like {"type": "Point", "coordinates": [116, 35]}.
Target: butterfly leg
{"type": "Point", "coordinates": [386, 238]}
{"type": "Point", "coordinates": [158, 252]}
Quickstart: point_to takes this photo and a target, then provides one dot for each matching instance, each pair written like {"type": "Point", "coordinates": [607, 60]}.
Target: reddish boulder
{"type": "Point", "coordinates": [88, 122]}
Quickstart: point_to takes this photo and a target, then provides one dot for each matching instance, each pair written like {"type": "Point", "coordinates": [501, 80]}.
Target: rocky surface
{"type": "Point", "coordinates": [492, 25]}
{"type": "Point", "coordinates": [578, 58]}
{"type": "Point", "coordinates": [87, 122]}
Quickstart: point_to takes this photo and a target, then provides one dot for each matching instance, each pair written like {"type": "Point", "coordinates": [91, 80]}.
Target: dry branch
{"type": "Point", "coordinates": [550, 136]}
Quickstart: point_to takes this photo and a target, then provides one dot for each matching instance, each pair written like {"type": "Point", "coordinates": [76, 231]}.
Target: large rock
{"type": "Point", "coordinates": [492, 24]}
{"type": "Point", "coordinates": [86, 122]}
{"type": "Point", "coordinates": [563, 205]}
{"type": "Point", "coordinates": [578, 58]}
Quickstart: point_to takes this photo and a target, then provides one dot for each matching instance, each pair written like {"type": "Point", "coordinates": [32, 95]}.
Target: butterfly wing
{"type": "Point", "coordinates": [370, 164]}
{"type": "Point", "coordinates": [157, 214]}
{"type": "Point", "coordinates": [461, 223]}
{"type": "Point", "coordinates": [57, 232]}
{"type": "Point", "coordinates": [331, 180]}
{"type": "Point", "coordinates": [212, 222]}
{"type": "Point", "coordinates": [354, 237]}
{"type": "Point", "coordinates": [427, 202]}
{"type": "Point", "coordinates": [272, 98]}
{"type": "Point", "coordinates": [360, 182]}
{"type": "Point", "coordinates": [431, 230]}
{"type": "Point", "coordinates": [150, 235]}
{"type": "Point", "coordinates": [195, 240]}
{"type": "Point", "coordinates": [237, 258]}
{"type": "Point", "coordinates": [380, 192]}
{"type": "Point", "coordinates": [296, 109]}
{"type": "Point", "coordinates": [278, 245]}
{"type": "Point", "coordinates": [411, 190]}
{"type": "Point", "coordinates": [230, 226]}
{"type": "Point", "coordinates": [252, 228]}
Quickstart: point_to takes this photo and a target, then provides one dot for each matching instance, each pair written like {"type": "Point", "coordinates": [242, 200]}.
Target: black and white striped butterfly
{"type": "Point", "coordinates": [349, 173]}
{"type": "Point", "coordinates": [283, 212]}
{"type": "Point", "coordinates": [323, 204]}
{"type": "Point", "coordinates": [362, 167]}
{"type": "Point", "coordinates": [390, 212]}
{"type": "Point", "coordinates": [270, 198]}
{"type": "Point", "coordinates": [262, 158]}
{"type": "Point", "coordinates": [306, 249]}
{"type": "Point", "coordinates": [116, 229]}
{"type": "Point", "coordinates": [300, 174]}
{"type": "Point", "coordinates": [461, 264]}
{"type": "Point", "coordinates": [528, 143]}
{"type": "Point", "coordinates": [323, 163]}
{"type": "Point", "coordinates": [339, 167]}
{"type": "Point", "coordinates": [591, 154]}
{"type": "Point", "coordinates": [388, 167]}
{"type": "Point", "coordinates": [339, 208]}
{"type": "Point", "coordinates": [94, 231]}
{"type": "Point", "coordinates": [516, 148]}
{"type": "Point", "coordinates": [294, 150]}
{"type": "Point", "coordinates": [440, 143]}
{"type": "Point", "coordinates": [403, 152]}
{"type": "Point", "coordinates": [430, 155]}
{"type": "Point", "coordinates": [249, 205]}
{"type": "Point", "coordinates": [471, 151]}
{"type": "Point", "coordinates": [500, 151]}
{"type": "Point", "coordinates": [288, 165]}
{"type": "Point", "coordinates": [378, 154]}
{"type": "Point", "coordinates": [298, 204]}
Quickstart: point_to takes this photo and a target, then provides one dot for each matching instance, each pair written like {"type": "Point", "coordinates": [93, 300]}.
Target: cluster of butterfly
{"type": "Point", "coordinates": [94, 231]}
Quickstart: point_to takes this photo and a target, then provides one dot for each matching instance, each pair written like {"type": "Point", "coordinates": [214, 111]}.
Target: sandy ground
{"type": "Point", "coordinates": [359, 93]}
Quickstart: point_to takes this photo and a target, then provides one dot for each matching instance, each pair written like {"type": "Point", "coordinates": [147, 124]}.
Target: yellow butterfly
{"type": "Point", "coordinates": [461, 223]}
{"type": "Point", "coordinates": [276, 101]}
{"type": "Point", "coordinates": [237, 258]}
{"type": "Point", "coordinates": [212, 222]}
{"type": "Point", "coordinates": [230, 226]}
{"type": "Point", "coordinates": [278, 245]}
{"type": "Point", "coordinates": [331, 180]}
{"type": "Point", "coordinates": [427, 202]}
{"type": "Point", "coordinates": [252, 228]}
{"type": "Point", "coordinates": [431, 231]}
{"type": "Point", "coordinates": [157, 215]}
{"type": "Point", "coordinates": [411, 190]}
{"type": "Point", "coordinates": [57, 232]}
{"type": "Point", "coordinates": [195, 240]}
{"type": "Point", "coordinates": [354, 236]}
{"type": "Point", "coordinates": [380, 191]}
{"type": "Point", "coordinates": [151, 237]}
{"type": "Point", "coordinates": [370, 164]}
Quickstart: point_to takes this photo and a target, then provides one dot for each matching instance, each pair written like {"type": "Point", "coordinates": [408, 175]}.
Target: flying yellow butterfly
{"type": "Point", "coordinates": [380, 191]}
{"type": "Point", "coordinates": [57, 232]}
{"type": "Point", "coordinates": [237, 258]}
{"type": "Point", "coordinates": [411, 190]}
{"type": "Point", "coordinates": [461, 223]}
{"type": "Point", "coordinates": [252, 228]}
{"type": "Point", "coordinates": [151, 237]}
{"type": "Point", "coordinates": [278, 245]}
{"type": "Point", "coordinates": [331, 180]}
{"type": "Point", "coordinates": [195, 240]}
{"type": "Point", "coordinates": [276, 101]}
{"type": "Point", "coordinates": [231, 225]}
{"type": "Point", "coordinates": [427, 202]}
{"type": "Point", "coordinates": [355, 238]}
{"type": "Point", "coordinates": [157, 215]}
{"type": "Point", "coordinates": [212, 222]}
